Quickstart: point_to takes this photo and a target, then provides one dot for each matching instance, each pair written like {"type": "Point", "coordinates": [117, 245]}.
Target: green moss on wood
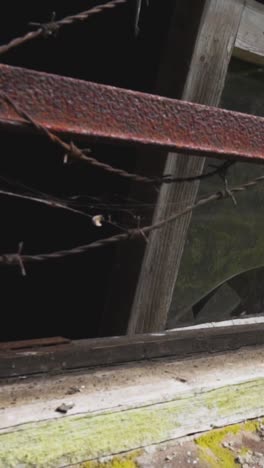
{"type": "Point", "coordinates": [212, 451]}
{"type": "Point", "coordinates": [73, 439]}
{"type": "Point", "coordinates": [233, 399]}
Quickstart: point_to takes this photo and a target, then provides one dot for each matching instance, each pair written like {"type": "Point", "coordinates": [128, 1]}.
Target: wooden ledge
{"type": "Point", "coordinates": [182, 344]}
{"type": "Point", "coordinates": [123, 408]}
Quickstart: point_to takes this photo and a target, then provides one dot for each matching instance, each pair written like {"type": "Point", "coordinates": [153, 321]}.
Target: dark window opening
{"type": "Point", "coordinates": [66, 297]}
{"type": "Point", "coordinates": [222, 270]}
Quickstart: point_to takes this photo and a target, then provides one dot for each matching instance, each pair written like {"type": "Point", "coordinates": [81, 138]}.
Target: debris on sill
{"type": "Point", "coordinates": [64, 408]}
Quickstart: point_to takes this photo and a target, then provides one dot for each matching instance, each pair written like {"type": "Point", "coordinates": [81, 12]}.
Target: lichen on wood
{"type": "Point", "coordinates": [73, 439]}
{"type": "Point", "coordinates": [218, 454]}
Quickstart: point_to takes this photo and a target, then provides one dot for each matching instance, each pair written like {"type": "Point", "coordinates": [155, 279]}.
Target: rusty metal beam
{"type": "Point", "coordinates": [83, 109]}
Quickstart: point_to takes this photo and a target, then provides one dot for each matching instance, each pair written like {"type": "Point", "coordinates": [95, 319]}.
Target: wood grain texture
{"type": "Point", "coordinates": [205, 82]}
{"type": "Point", "coordinates": [164, 412]}
{"type": "Point", "coordinates": [120, 386]}
{"type": "Point", "coordinates": [249, 44]}
{"type": "Point", "coordinates": [85, 354]}
{"type": "Point", "coordinates": [170, 78]}
{"type": "Point", "coordinates": [48, 444]}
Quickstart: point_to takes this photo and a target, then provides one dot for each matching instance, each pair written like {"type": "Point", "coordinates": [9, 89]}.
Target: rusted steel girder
{"type": "Point", "coordinates": [83, 109]}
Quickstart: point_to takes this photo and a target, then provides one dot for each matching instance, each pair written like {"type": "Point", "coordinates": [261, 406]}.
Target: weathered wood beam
{"type": "Point", "coordinates": [214, 45]}
{"type": "Point", "coordinates": [101, 351]}
{"type": "Point", "coordinates": [171, 76]}
{"type": "Point", "coordinates": [126, 408]}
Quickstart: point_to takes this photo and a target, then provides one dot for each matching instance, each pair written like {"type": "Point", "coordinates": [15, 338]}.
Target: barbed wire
{"type": "Point", "coordinates": [72, 151]}
{"type": "Point", "coordinates": [53, 203]}
{"type": "Point", "coordinates": [52, 27]}
{"type": "Point", "coordinates": [138, 12]}
{"type": "Point", "coordinates": [44, 201]}
{"type": "Point", "coordinates": [19, 259]}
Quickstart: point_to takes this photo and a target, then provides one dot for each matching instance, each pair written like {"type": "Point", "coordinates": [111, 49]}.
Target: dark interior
{"type": "Point", "coordinates": [73, 297]}
{"type": "Point", "coordinates": [66, 297]}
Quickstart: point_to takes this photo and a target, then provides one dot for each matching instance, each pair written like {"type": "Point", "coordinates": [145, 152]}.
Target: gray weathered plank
{"type": "Point", "coordinates": [126, 407]}
{"type": "Point", "coordinates": [105, 351]}
{"type": "Point", "coordinates": [205, 82]}
{"type": "Point", "coordinates": [173, 67]}
{"type": "Point", "coordinates": [249, 44]}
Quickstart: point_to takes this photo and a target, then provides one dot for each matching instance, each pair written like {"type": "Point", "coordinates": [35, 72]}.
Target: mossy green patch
{"type": "Point", "coordinates": [73, 439]}
{"type": "Point", "coordinates": [211, 448]}
{"type": "Point", "coordinates": [70, 440]}
{"type": "Point", "coordinates": [233, 398]}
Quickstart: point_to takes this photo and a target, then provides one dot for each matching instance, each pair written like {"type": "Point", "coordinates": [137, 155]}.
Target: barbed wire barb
{"type": "Point", "coordinates": [132, 233]}
{"type": "Point", "coordinates": [72, 151]}
{"type": "Point", "coordinates": [20, 260]}
{"type": "Point", "coordinates": [15, 259]}
{"type": "Point", "coordinates": [222, 173]}
{"type": "Point", "coordinates": [52, 27]}
{"type": "Point", "coordinates": [48, 29]}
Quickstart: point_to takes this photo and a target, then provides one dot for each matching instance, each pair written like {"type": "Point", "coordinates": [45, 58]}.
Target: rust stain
{"type": "Point", "coordinates": [34, 343]}
{"type": "Point", "coordinates": [83, 109]}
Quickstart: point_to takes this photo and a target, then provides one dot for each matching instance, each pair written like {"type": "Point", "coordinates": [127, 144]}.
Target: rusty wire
{"type": "Point", "coordinates": [19, 258]}
{"type": "Point", "coordinates": [52, 27]}
{"type": "Point", "coordinates": [44, 201]}
{"type": "Point", "coordinates": [72, 151]}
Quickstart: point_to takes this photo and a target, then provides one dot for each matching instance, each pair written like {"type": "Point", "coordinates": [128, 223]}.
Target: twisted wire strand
{"type": "Point", "coordinates": [73, 151]}
{"type": "Point", "coordinates": [17, 258]}
{"type": "Point", "coordinates": [53, 26]}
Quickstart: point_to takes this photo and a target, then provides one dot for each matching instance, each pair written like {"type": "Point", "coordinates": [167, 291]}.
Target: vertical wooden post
{"type": "Point", "coordinates": [205, 81]}
{"type": "Point", "coordinates": [173, 67]}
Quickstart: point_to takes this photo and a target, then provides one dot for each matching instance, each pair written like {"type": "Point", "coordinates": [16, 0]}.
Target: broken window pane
{"type": "Point", "coordinates": [222, 270]}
